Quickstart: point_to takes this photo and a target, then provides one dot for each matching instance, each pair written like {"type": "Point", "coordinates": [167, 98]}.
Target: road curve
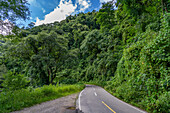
{"type": "Point", "coordinates": [94, 99]}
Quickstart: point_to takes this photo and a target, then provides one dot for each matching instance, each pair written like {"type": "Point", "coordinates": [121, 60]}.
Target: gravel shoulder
{"type": "Point", "coordinates": [65, 104]}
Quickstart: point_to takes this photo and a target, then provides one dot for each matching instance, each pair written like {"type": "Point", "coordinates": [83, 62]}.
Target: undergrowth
{"type": "Point", "coordinates": [16, 100]}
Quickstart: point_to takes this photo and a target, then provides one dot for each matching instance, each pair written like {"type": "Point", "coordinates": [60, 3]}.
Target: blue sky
{"type": "Point", "coordinates": [49, 11]}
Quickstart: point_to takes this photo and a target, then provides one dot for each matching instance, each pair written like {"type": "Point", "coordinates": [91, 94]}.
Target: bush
{"type": "Point", "coordinates": [13, 81]}
{"type": "Point", "coordinates": [18, 99]}
{"type": "Point", "coordinates": [162, 103]}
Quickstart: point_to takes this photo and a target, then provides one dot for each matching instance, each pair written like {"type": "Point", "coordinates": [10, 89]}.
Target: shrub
{"type": "Point", "coordinates": [18, 99]}
{"type": "Point", "coordinates": [13, 81]}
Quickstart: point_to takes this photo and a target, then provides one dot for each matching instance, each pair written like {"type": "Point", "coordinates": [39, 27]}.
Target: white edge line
{"type": "Point", "coordinates": [131, 106]}
{"type": "Point", "coordinates": [95, 93]}
{"type": "Point", "coordinates": [79, 99]}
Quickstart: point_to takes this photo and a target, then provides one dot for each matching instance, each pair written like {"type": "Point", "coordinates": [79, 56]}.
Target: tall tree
{"type": "Point", "coordinates": [10, 11]}
{"type": "Point", "coordinates": [14, 9]}
{"type": "Point", "coordinates": [42, 56]}
{"type": "Point", "coordinates": [105, 17]}
{"type": "Point", "coordinates": [138, 7]}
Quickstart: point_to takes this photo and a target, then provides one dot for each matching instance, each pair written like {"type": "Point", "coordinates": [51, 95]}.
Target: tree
{"type": "Point", "coordinates": [89, 45]}
{"type": "Point", "coordinates": [42, 56]}
{"type": "Point", "coordinates": [31, 25]}
{"type": "Point", "coordinates": [138, 7]}
{"type": "Point", "coordinates": [105, 17]}
{"type": "Point", "coordinates": [10, 11]}
{"type": "Point", "coordinates": [165, 6]}
{"type": "Point", "coordinates": [14, 9]}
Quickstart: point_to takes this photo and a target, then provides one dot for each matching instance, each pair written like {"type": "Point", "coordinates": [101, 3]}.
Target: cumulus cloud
{"type": "Point", "coordinates": [60, 12]}
{"type": "Point", "coordinates": [64, 9]}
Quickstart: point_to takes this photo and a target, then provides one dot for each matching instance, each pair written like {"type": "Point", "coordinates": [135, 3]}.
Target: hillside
{"type": "Point", "coordinates": [125, 50]}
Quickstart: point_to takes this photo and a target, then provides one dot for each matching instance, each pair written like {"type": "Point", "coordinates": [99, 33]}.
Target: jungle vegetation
{"type": "Point", "coordinates": [124, 48]}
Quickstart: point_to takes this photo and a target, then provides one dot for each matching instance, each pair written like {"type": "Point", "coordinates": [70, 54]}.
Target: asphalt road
{"type": "Point", "coordinates": [94, 99]}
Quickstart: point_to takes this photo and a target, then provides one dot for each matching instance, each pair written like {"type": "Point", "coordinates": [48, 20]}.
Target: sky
{"type": "Point", "coordinates": [49, 11]}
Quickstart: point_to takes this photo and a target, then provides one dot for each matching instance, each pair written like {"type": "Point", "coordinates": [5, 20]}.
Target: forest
{"type": "Point", "coordinates": [125, 49]}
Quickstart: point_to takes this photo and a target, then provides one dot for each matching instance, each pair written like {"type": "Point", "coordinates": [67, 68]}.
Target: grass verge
{"type": "Point", "coordinates": [16, 100]}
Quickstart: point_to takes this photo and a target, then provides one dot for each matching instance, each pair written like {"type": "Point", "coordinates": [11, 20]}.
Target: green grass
{"type": "Point", "coordinates": [16, 100]}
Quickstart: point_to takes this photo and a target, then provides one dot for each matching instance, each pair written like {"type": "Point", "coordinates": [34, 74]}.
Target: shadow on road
{"type": "Point", "coordinates": [79, 111]}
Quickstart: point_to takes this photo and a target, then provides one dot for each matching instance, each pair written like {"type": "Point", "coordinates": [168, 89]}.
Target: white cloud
{"type": "Point", "coordinates": [64, 9]}
{"type": "Point", "coordinates": [101, 1]}
{"type": "Point", "coordinates": [31, 1]}
{"type": "Point", "coordinates": [83, 4]}
{"type": "Point", "coordinates": [43, 10]}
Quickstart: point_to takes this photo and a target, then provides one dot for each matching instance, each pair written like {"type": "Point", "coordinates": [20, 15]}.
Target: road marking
{"type": "Point", "coordinates": [95, 93]}
{"type": "Point", "coordinates": [109, 107]}
{"type": "Point", "coordinates": [130, 105]}
{"type": "Point", "coordinates": [79, 99]}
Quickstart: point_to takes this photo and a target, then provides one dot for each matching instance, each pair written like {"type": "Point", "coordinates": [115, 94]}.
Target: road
{"type": "Point", "coordinates": [94, 99]}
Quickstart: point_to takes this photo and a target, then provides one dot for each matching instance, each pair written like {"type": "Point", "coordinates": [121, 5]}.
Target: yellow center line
{"type": "Point", "coordinates": [109, 107]}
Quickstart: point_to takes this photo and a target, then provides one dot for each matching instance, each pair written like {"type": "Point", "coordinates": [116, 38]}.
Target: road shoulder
{"type": "Point", "coordinates": [61, 105]}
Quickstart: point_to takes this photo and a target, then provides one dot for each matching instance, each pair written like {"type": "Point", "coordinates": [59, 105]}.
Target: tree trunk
{"type": "Point", "coordinates": [162, 6]}
{"type": "Point", "coordinates": [49, 76]}
{"type": "Point", "coordinates": [53, 77]}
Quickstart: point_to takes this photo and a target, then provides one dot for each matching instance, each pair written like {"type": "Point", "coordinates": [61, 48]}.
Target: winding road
{"type": "Point", "coordinates": [94, 99]}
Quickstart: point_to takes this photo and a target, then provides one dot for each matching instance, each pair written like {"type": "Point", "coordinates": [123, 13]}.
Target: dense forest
{"type": "Point", "coordinates": [125, 49]}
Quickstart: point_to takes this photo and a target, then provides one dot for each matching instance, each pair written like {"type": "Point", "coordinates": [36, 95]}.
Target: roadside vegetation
{"type": "Point", "coordinates": [124, 47]}
{"type": "Point", "coordinates": [21, 98]}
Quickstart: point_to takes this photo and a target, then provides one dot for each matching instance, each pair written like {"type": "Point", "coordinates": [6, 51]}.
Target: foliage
{"type": "Point", "coordinates": [138, 7]}
{"type": "Point", "coordinates": [13, 81]}
{"type": "Point", "coordinates": [105, 16]}
{"type": "Point", "coordinates": [16, 100]}
{"type": "Point", "coordinates": [143, 71]}
{"type": "Point", "coordinates": [41, 55]}
{"type": "Point", "coordinates": [3, 70]}
{"type": "Point", "coordinates": [124, 48]}
{"type": "Point", "coordinates": [14, 9]}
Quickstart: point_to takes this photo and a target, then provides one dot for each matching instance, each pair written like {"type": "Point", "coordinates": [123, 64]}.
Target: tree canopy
{"type": "Point", "coordinates": [14, 9]}
{"type": "Point", "coordinates": [125, 49]}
